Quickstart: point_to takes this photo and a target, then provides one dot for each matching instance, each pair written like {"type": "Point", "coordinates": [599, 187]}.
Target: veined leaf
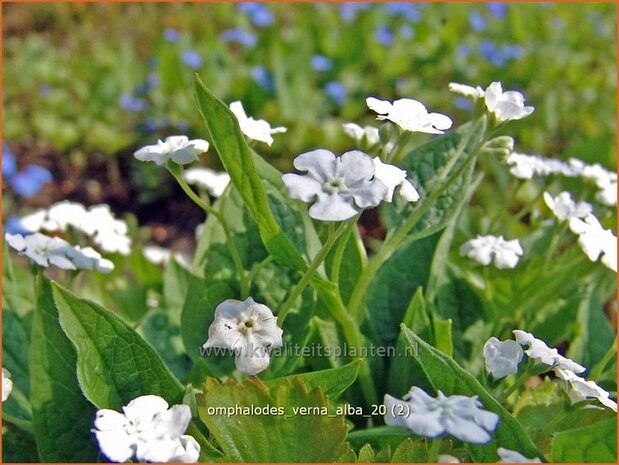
{"type": "Point", "coordinates": [594, 443]}
{"type": "Point", "coordinates": [61, 415]}
{"type": "Point", "coordinates": [114, 364]}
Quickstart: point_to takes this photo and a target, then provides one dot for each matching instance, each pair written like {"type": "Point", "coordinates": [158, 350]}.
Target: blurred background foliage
{"type": "Point", "coordinates": [85, 84]}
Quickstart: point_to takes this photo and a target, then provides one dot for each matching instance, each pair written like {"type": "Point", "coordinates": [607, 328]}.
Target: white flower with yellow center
{"type": "Point", "coordinates": [249, 329]}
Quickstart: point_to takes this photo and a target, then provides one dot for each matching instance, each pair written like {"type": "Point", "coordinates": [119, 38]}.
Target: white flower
{"type": "Point", "coordinates": [358, 133]}
{"type": "Point", "coordinates": [511, 456]}
{"type": "Point", "coordinates": [410, 115]}
{"type": "Point", "coordinates": [64, 214]}
{"type": "Point", "coordinates": [392, 177]}
{"type": "Point", "coordinates": [179, 149]}
{"type": "Point", "coordinates": [88, 258]}
{"type": "Point", "coordinates": [541, 353]}
{"type": "Point", "coordinates": [247, 328]}
{"type": "Point", "coordinates": [564, 207]}
{"type": "Point", "coordinates": [109, 233]}
{"type": "Point", "coordinates": [7, 384]}
{"type": "Point", "coordinates": [460, 416]}
{"type": "Point", "coordinates": [502, 357]}
{"type": "Point", "coordinates": [257, 129]}
{"type": "Point", "coordinates": [467, 91]}
{"type": "Point", "coordinates": [595, 240]}
{"type": "Point", "coordinates": [446, 458]}
{"type": "Point", "coordinates": [526, 166]}
{"type": "Point", "coordinates": [148, 430]}
{"type": "Point", "coordinates": [215, 183]}
{"type": "Point", "coordinates": [506, 106]}
{"type": "Point", "coordinates": [341, 186]}
{"type": "Point", "coordinates": [581, 389]}
{"type": "Point", "coordinates": [41, 249]}
{"type": "Point", "coordinates": [34, 221]}
{"type": "Point", "coordinates": [160, 256]}
{"type": "Point", "coordinates": [488, 249]}
{"type": "Point", "coordinates": [605, 180]}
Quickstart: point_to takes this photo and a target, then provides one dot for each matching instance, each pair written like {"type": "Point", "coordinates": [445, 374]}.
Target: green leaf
{"type": "Point", "coordinates": [393, 287]}
{"type": "Point", "coordinates": [594, 443]}
{"type": "Point", "coordinates": [446, 375]}
{"type": "Point", "coordinates": [281, 435]}
{"type": "Point", "coordinates": [62, 417]}
{"type": "Point", "coordinates": [442, 336]}
{"type": "Point", "coordinates": [238, 159]}
{"type": "Point", "coordinates": [114, 364]}
{"type": "Point", "coordinates": [17, 285]}
{"type": "Point", "coordinates": [15, 358]}
{"type": "Point", "coordinates": [410, 451]}
{"type": "Point", "coordinates": [366, 454]}
{"type": "Point", "coordinates": [18, 446]}
{"type": "Point", "coordinates": [379, 436]}
{"type": "Point", "coordinates": [423, 164]}
{"type": "Point", "coordinates": [332, 381]}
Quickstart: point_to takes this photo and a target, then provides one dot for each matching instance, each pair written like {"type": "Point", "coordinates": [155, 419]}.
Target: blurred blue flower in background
{"type": "Point", "coordinates": [408, 10]}
{"type": "Point", "coordinates": [153, 79]}
{"type": "Point", "coordinates": [406, 32]}
{"type": "Point", "coordinates": [259, 14]}
{"type": "Point", "coordinates": [129, 102]}
{"type": "Point", "coordinates": [497, 9]}
{"type": "Point", "coordinates": [349, 10]}
{"type": "Point", "coordinates": [383, 35]}
{"type": "Point", "coordinates": [240, 36]}
{"type": "Point", "coordinates": [499, 56]}
{"type": "Point", "coordinates": [463, 50]}
{"type": "Point", "coordinates": [29, 181]}
{"type": "Point", "coordinates": [263, 78]}
{"type": "Point", "coordinates": [45, 90]}
{"type": "Point", "coordinates": [171, 35]}
{"type": "Point", "coordinates": [13, 226]}
{"type": "Point", "coordinates": [192, 59]}
{"type": "Point", "coordinates": [321, 63]}
{"type": "Point", "coordinates": [463, 103]}
{"type": "Point", "coordinates": [477, 21]}
{"type": "Point", "coordinates": [336, 91]}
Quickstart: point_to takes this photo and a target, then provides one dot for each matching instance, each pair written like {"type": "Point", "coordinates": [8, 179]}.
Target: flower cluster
{"type": "Point", "coordinates": [160, 256]}
{"type": "Point", "coordinates": [596, 241]}
{"type": "Point", "coordinates": [46, 251]}
{"type": "Point", "coordinates": [178, 149]}
{"type": "Point", "coordinates": [460, 416]}
{"type": "Point", "coordinates": [256, 129]}
{"type": "Point", "coordinates": [247, 328]}
{"type": "Point", "coordinates": [489, 249]}
{"type": "Point", "coordinates": [564, 368]}
{"type": "Point", "coordinates": [7, 384]}
{"type": "Point", "coordinates": [98, 222]}
{"type": "Point", "coordinates": [564, 208]}
{"type": "Point", "coordinates": [147, 430]}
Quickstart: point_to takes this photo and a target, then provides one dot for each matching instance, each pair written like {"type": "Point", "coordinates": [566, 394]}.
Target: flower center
{"type": "Point", "coordinates": [247, 326]}
{"type": "Point", "coordinates": [335, 185]}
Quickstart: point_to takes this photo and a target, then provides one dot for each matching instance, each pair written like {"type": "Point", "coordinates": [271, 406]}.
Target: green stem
{"type": "Point", "coordinates": [339, 254]}
{"type": "Point", "coordinates": [435, 447]}
{"type": "Point", "coordinates": [309, 273]}
{"type": "Point", "coordinates": [236, 258]}
{"type": "Point", "coordinates": [402, 233]}
{"type": "Point", "coordinates": [599, 367]}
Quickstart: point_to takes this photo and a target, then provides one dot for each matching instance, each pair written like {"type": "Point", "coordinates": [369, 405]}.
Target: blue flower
{"type": "Point", "coordinates": [477, 21]}
{"type": "Point", "coordinates": [491, 52]}
{"type": "Point", "coordinates": [463, 103]}
{"type": "Point", "coordinates": [13, 226]}
{"type": "Point", "coordinates": [321, 63]}
{"type": "Point", "coordinates": [463, 50]}
{"type": "Point", "coordinates": [348, 11]}
{"type": "Point", "coordinates": [410, 11]}
{"type": "Point", "coordinates": [383, 35]}
{"type": "Point", "coordinates": [171, 35]}
{"type": "Point", "coordinates": [259, 14]}
{"type": "Point", "coordinates": [239, 35]}
{"type": "Point", "coordinates": [31, 180]}
{"type": "Point", "coordinates": [263, 78]}
{"type": "Point", "coordinates": [337, 91]}
{"type": "Point", "coordinates": [406, 32]}
{"type": "Point", "coordinates": [9, 165]}
{"type": "Point", "coordinates": [497, 9]}
{"type": "Point", "coordinates": [512, 52]}
{"type": "Point", "coordinates": [130, 103]}
{"type": "Point", "coordinates": [153, 80]}
{"type": "Point", "coordinates": [192, 59]}
{"type": "Point", "coordinates": [45, 90]}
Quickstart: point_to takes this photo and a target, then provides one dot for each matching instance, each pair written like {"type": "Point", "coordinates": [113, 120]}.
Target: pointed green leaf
{"type": "Point", "coordinates": [62, 417]}
{"type": "Point", "coordinates": [114, 364]}
{"type": "Point", "coordinates": [594, 443]}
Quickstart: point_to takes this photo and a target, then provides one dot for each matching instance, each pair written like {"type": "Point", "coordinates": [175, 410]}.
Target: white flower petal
{"type": "Point", "coordinates": [331, 207]}
{"type": "Point", "coordinates": [302, 188]}
{"type": "Point", "coordinates": [511, 456]}
{"type": "Point", "coordinates": [7, 384]}
{"type": "Point", "coordinates": [115, 445]}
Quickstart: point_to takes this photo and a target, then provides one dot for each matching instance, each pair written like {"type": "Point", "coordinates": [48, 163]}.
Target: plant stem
{"type": "Point", "coordinates": [234, 253]}
{"type": "Point", "coordinates": [435, 447]}
{"type": "Point", "coordinates": [339, 254]}
{"type": "Point", "coordinates": [309, 273]}
{"type": "Point", "coordinates": [402, 233]}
